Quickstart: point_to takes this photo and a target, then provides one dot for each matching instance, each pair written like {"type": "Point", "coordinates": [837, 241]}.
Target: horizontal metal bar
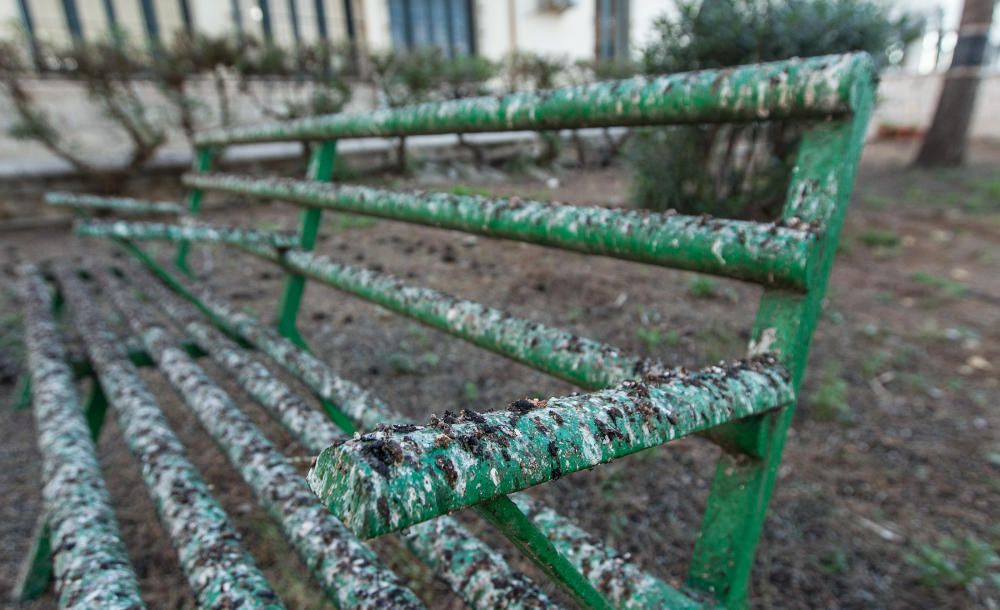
{"type": "Point", "coordinates": [125, 205]}
{"type": "Point", "coordinates": [469, 566]}
{"type": "Point", "coordinates": [619, 580]}
{"type": "Point", "coordinates": [768, 254]}
{"type": "Point", "coordinates": [91, 565]}
{"type": "Point", "coordinates": [441, 543]}
{"type": "Point", "coordinates": [349, 572]}
{"type": "Point", "coordinates": [217, 567]}
{"type": "Point", "coordinates": [581, 361]}
{"type": "Point", "coordinates": [177, 232]}
{"type": "Point", "coordinates": [794, 88]}
{"type": "Point", "coordinates": [397, 476]}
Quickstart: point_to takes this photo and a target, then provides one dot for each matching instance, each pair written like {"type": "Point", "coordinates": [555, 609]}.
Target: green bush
{"type": "Point", "coordinates": [741, 170]}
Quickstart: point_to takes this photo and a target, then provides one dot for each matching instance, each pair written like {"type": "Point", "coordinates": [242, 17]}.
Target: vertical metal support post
{"type": "Point", "coordinates": [151, 22]}
{"type": "Point", "coordinates": [320, 170]}
{"type": "Point", "coordinates": [293, 19]}
{"type": "Point", "coordinates": [186, 17]}
{"type": "Point", "coordinates": [237, 16]}
{"type": "Point", "coordinates": [28, 23]}
{"type": "Point", "coordinates": [36, 571]}
{"type": "Point", "coordinates": [512, 523]}
{"type": "Point", "coordinates": [95, 408]}
{"type": "Point", "coordinates": [737, 504]}
{"type": "Point", "coordinates": [22, 393]}
{"type": "Point", "coordinates": [202, 163]}
{"type": "Point", "coordinates": [265, 20]}
{"type": "Point", "coordinates": [72, 15]}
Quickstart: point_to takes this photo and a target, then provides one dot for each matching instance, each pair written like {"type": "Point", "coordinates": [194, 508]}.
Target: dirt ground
{"type": "Point", "coordinates": [888, 491]}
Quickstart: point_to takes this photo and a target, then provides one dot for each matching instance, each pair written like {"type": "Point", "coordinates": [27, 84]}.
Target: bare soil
{"type": "Point", "coordinates": [888, 491]}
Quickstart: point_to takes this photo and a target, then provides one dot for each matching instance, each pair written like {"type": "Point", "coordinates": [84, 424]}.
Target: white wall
{"type": "Point", "coordinates": [910, 99]}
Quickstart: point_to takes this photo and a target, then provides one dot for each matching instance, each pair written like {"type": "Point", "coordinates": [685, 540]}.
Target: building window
{"type": "Point", "coordinates": [442, 24]}
{"type": "Point", "coordinates": [612, 29]}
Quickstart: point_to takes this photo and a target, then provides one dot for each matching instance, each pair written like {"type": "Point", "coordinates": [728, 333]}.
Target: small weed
{"type": "Point", "coordinates": [703, 287]}
{"type": "Point", "coordinates": [650, 336]}
{"type": "Point", "coordinates": [878, 202]}
{"type": "Point", "coordinates": [342, 171]}
{"type": "Point", "coordinates": [880, 238]}
{"type": "Point", "coordinates": [575, 314]}
{"type": "Point", "coordinates": [463, 190]}
{"type": "Point", "coordinates": [834, 562]}
{"type": "Point", "coordinates": [874, 363]}
{"type": "Point", "coordinates": [943, 286]}
{"type": "Point", "coordinates": [718, 342]}
{"type": "Point", "coordinates": [955, 564]}
{"type": "Point", "coordinates": [470, 391]}
{"type": "Point", "coordinates": [346, 222]}
{"type": "Point", "coordinates": [405, 363]}
{"type": "Point", "coordinates": [829, 401]}
{"type": "Point", "coordinates": [269, 226]}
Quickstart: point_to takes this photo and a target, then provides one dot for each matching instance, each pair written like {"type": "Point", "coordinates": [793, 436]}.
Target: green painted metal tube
{"type": "Point", "coordinates": [217, 567]}
{"type": "Point", "coordinates": [471, 568]}
{"type": "Point", "coordinates": [581, 361]}
{"type": "Point", "coordinates": [768, 254]}
{"type": "Point", "coordinates": [441, 543]}
{"type": "Point", "coordinates": [621, 582]}
{"type": "Point", "coordinates": [512, 523]}
{"type": "Point", "coordinates": [122, 205]}
{"type": "Point", "coordinates": [183, 233]}
{"type": "Point", "coordinates": [397, 476]}
{"type": "Point", "coordinates": [349, 572]}
{"type": "Point", "coordinates": [311, 427]}
{"type": "Point", "coordinates": [91, 565]}
{"type": "Point", "coordinates": [796, 88]}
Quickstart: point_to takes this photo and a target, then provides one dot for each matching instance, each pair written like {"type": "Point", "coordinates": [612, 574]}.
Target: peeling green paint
{"type": "Point", "coordinates": [91, 564]}
{"type": "Point", "coordinates": [218, 569]}
{"type": "Point", "coordinates": [584, 362]}
{"type": "Point", "coordinates": [796, 88]}
{"type": "Point", "coordinates": [123, 205]}
{"type": "Point", "coordinates": [182, 233]}
{"type": "Point", "coordinates": [772, 254]}
{"type": "Point", "coordinates": [349, 572]}
{"type": "Point", "coordinates": [397, 476]}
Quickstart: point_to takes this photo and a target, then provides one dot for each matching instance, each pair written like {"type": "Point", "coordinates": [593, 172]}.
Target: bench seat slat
{"type": "Point", "coordinates": [615, 577]}
{"type": "Point", "coordinates": [397, 476]}
{"type": "Point", "coordinates": [763, 253]}
{"type": "Point", "coordinates": [473, 570]}
{"type": "Point", "coordinates": [796, 88]}
{"type": "Point", "coordinates": [91, 565]}
{"type": "Point", "coordinates": [218, 568]}
{"type": "Point", "coordinates": [348, 571]}
{"type": "Point", "coordinates": [122, 205]}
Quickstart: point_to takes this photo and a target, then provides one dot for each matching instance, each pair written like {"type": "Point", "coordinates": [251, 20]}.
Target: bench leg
{"type": "Point", "coordinates": [320, 170]}
{"type": "Point", "coordinates": [512, 523]}
{"type": "Point", "coordinates": [36, 571]}
{"type": "Point", "coordinates": [22, 393]}
{"type": "Point", "coordinates": [95, 408]}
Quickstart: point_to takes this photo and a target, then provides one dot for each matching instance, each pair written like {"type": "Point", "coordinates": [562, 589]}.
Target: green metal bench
{"type": "Point", "coordinates": [396, 476]}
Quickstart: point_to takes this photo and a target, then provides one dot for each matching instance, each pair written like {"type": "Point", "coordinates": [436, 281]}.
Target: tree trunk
{"type": "Point", "coordinates": [945, 142]}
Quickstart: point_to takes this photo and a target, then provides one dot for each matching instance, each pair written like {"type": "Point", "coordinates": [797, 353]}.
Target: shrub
{"type": "Point", "coordinates": [741, 170]}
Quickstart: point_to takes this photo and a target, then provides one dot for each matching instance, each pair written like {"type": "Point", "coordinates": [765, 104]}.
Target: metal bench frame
{"type": "Point", "coordinates": [791, 259]}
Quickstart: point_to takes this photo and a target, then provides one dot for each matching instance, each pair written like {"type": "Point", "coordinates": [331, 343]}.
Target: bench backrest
{"type": "Point", "coordinates": [745, 406]}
